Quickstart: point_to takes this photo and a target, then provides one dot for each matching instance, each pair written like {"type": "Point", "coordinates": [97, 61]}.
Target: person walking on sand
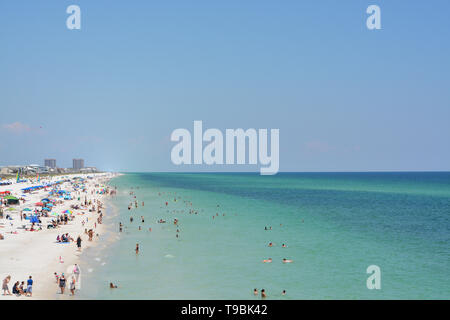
{"type": "Point", "coordinates": [72, 286]}
{"type": "Point", "coordinates": [62, 283]}
{"type": "Point", "coordinates": [5, 286]}
{"type": "Point", "coordinates": [79, 243]}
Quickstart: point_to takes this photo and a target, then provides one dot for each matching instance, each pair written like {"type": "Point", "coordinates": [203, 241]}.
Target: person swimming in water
{"type": "Point", "coordinates": [287, 260]}
{"type": "Point", "coordinates": [284, 246]}
{"type": "Point", "coordinates": [255, 292]}
{"type": "Point", "coordinates": [112, 286]}
{"type": "Point", "coordinates": [283, 293]}
{"type": "Point", "coordinates": [267, 260]}
{"type": "Point", "coordinates": [270, 244]}
{"type": "Point", "coordinates": [263, 293]}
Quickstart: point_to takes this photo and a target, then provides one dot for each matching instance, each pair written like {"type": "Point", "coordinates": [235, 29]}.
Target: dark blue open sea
{"type": "Point", "coordinates": [335, 225]}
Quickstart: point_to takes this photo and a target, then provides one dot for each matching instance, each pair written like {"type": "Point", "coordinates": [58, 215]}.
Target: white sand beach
{"type": "Point", "coordinates": [25, 253]}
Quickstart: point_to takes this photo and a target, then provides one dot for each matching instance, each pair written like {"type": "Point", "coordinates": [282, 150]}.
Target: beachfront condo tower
{"type": "Point", "coordinates": [78, 164]}
{"type": "Point", "coordinates": [51, 163]}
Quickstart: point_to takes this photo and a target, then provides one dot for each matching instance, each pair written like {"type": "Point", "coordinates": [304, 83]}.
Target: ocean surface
{"type": "Point", "coordinates": [335, 225]}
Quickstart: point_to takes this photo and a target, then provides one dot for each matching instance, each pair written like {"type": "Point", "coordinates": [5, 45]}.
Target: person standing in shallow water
{"type": "Point", "coordinates": [137, 248]}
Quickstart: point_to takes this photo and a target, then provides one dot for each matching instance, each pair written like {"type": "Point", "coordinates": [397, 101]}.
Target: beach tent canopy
{"type": "Point", "coordinates": [10, 198]}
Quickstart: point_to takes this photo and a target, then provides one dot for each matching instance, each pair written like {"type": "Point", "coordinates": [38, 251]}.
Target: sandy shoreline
{"type": "Point", "coordinates": [37, 253]}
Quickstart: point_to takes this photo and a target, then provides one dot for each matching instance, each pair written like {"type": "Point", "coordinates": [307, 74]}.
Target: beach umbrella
{"type": "Point", "coordinates": [39, 204]}
{"type": "Point", "coordinates": [27, 209]}
{"type": "Point", "coordinates": [49, 205]}
{"type": "Point", "coordinates": [67, 211]}
{"type": "Point", "coordinates": [11, 209]}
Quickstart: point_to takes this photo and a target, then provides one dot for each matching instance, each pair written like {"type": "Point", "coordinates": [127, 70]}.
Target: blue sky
{"type": "Point", "coordinates": [344, 98]}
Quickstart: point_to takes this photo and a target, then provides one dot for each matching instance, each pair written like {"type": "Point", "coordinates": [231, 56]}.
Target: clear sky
{"type": "Point", "coordinates": [345, 98]}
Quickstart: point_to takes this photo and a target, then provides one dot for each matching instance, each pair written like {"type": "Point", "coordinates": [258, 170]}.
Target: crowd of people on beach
{"type": "Point", "coordinates": [77, 189]}
{"type": "Point", "coordinates": [61, 280]}
{"type": "Point", "coordinates": [19, 288]}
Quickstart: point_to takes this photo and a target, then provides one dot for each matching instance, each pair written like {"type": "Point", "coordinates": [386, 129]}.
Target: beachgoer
{"type": "Point", "coordinates": [263, 293]}
{"type": "Point", "coordinates": [5, 286]}
{"type": "Point", "coordinates": [287, 260]}
{"type": "Point", "coordinates": [15, 289]}
{"type": "Point", "coordinates": [29, 287]}
{"type": "Point", "coordinates": [112, 286]}
{"type": "Point", "coordinates": [22, 291]}
{"type": "Point", "coordinates": [267, 260]}
{"type": "Point", "coordinates": [79, 243]}
{"type": "Point", "coordinates": [62, 283]}
{"type": "Point", "coordinates": [72, 285]}
{"type": "Point", "coordinates": [255, 292]}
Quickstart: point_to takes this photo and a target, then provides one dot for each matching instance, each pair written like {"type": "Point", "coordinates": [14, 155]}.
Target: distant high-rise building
{"type": "Point", "coordinates": [78, 164]}
{"type": "Point", "coordinates": [51, 163]}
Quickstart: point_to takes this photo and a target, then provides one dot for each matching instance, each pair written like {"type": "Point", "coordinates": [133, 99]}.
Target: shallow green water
{"type": "Point", "coordinates": [334, 224]}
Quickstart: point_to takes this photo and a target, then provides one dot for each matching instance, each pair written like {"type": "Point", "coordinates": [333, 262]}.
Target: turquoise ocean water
{"type": "Point", "coordinates": [334, 225]}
